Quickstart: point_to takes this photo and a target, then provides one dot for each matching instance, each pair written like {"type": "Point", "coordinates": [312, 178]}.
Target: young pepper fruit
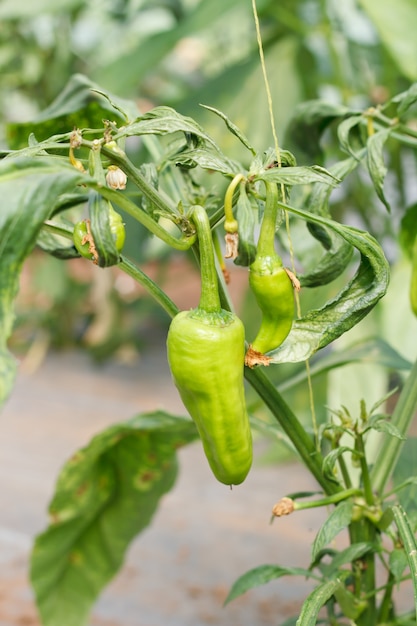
{"type": "Point", "coordinates": [83, 236]}
{"type": "Point", "coordinates": [273, 288]}
{"type": "Point", "coordinates": [206, 349]}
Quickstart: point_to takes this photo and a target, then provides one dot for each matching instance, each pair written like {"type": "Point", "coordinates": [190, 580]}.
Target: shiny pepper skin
{"type": "Point", "coordinates": [274, 293]}
{"type": "Point", "coordinates": [206, 357]}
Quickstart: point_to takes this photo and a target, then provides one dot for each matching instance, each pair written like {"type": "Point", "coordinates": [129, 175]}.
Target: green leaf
{"type": "Point", "coordinates": [382, 425]}
{"type": "Point", "coordinates": [21, 9]}
{"type": "Point", "coordinates": [408, 230]}
{"type": "Point", "coordinates": [409, 542]}
{"type": "Point", "coordinates": [262, 575]}
{"type": "Point", "coordinates": [338, 251]}
{"type": "Point", "coordinates": [31, 188]}
{"type": "Point", "coordinates": [338, 519]}
{"type": "Point", "coordinates": [348, 555]}
{"type": "Point", "coordinates": [79, 105]}
{"type": "Point", "coordinates": [105, 495]}
{"type": "Point", "coordinates": [331, 459]}
{"type": "Point", "coordinates": [397, 563]}
{"type": "Point", "coordinates": [206, 159]}
{"type": "Point", "coordinates": [298, 175]}
{"type": "Point", "coordinates": [316, 600]}
{"type": "Point", "coordinates": [369, 350]}
{"type": "Point", "coordinates": [321, 326]}
{"type": "Point", "coordinates": [406, 100]}
{"type": "Point", "coordinates": [375, 162]}
{"type": "Point", "coordinates": [232, 127]}
{"type": "Point", "coordinates": [396, 26]}
{"type": "Point", "coordinates": [344, 134]}
{"type": "Point", "coordinates": [163, 120]}
{"type": "Point", "coordinates": [310, 120]}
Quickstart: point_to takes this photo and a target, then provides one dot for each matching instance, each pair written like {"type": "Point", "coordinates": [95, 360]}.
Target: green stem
{"type": "Point", "coordinates": [366, 480]}
{"type": "Point", "coordinates": [390, 449]}
{"type": "Point", "coordinates": [230, 224]}
{"type": "Point", "coordinates": [151, 287]}
{"type": "Point", "coordinates": [364, 531]}
{"type": "Point", "coordinates": [120, 158]}
{"type": "Point", "coordinates": [385, 608]}
{"type": "Point", "coordinates": [209, 298]}
{"type": "Point", "coordinates": [292, 427]}
{"type": "Point", "coordinates": [333, 499]}
{"type": "Point", "coordinates": [183, 243]}
{"type": "Point", "coordinates": [266, 240]}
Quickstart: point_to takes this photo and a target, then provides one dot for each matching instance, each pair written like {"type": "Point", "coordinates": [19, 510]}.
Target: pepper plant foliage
{"type": "Point", "coordinates": [108, 491]}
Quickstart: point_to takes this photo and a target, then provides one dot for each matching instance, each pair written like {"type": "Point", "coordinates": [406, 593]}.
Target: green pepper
{"type": "Point", "coordinates": [274, 293]}
{"type": "Point", "coordinates": [272, 286]}
{"type": "Point", "coordinates": [84, 239]}
{"type": "Point", "coordinates": [206, 349]}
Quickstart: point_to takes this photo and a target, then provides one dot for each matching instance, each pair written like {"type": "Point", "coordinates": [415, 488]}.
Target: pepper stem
{"type": "Point", "coordinates": [209, 298]}
{"type": "Point", "coordinates": [266, 240]}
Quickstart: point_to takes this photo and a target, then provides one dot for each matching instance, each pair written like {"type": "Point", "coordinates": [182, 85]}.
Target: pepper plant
{"type": "Point", "coordinates": [67, 194]}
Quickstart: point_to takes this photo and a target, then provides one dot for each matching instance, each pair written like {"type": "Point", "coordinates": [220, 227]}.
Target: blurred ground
{"type": "Point", "coordinates": [204, 535]}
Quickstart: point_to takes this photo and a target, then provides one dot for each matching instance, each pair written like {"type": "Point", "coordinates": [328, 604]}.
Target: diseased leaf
{"type": "Point", "coordinates": [321, 326]}
{"type": "Point", "coordinates": [344, 134]}
{"type": "Point", "coordinates": [105, 495]}
{"type": "Point", "coordinates": [32, 188]}
{"type": "Point", "coordinates": [338, 519]}
{"type": "Point", "coordinates": [375, 162]}
{"type": "Point", "coordinates": [262, 575]}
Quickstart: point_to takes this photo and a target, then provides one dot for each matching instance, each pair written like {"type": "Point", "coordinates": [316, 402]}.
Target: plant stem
{"type": "Point", "coordinates": [266, 240]}
{"type": "Point", "coordinates": [209, 299]}
{"type": "Point", "coordinates": [183, 243]}
{"type": "Point", "coordinates": [364, 531]}
{"type": "Point", "coordinates": [290, 424]}
{"type": "Point", "coordinates": [402, 417]}
{"type": "Point", "coordinates": [366, 481]}
{"type": "Point", "coordinates": [151, 287]}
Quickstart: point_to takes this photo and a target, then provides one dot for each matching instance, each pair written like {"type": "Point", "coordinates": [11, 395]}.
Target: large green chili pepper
{"type": "Point", "coordinates": [272, 286]}
{"type": "Point", "coordinates": [206, 355]}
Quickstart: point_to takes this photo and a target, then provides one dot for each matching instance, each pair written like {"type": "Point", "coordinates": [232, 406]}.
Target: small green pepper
{"type": "Point", "coordinates": [206, 349]}
{"type": "Point", "coordinates": [272, 286]}
{"type": "Point", "coordinates": [274, 293]}
{"type": "Point", "coordinates": [84, 240]}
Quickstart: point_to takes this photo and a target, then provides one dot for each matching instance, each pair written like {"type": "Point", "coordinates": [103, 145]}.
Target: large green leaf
{"type": "Point", "coordinates": [81, 104]}
{"type": "Point", "coordinates": [396, 24]}
{"type": "Point", "coordinates": [105, 495]}
{"type": "Point", "coordinates": [262, 575]}
{"type": "Point", "coordinates": [338, 519]}
{"type": "Point", "coordinates": [316, 600]}
{"type": "Point", "coordinates": [321, 326]}
{"type": "Point", "coordinates": [29, 190]}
